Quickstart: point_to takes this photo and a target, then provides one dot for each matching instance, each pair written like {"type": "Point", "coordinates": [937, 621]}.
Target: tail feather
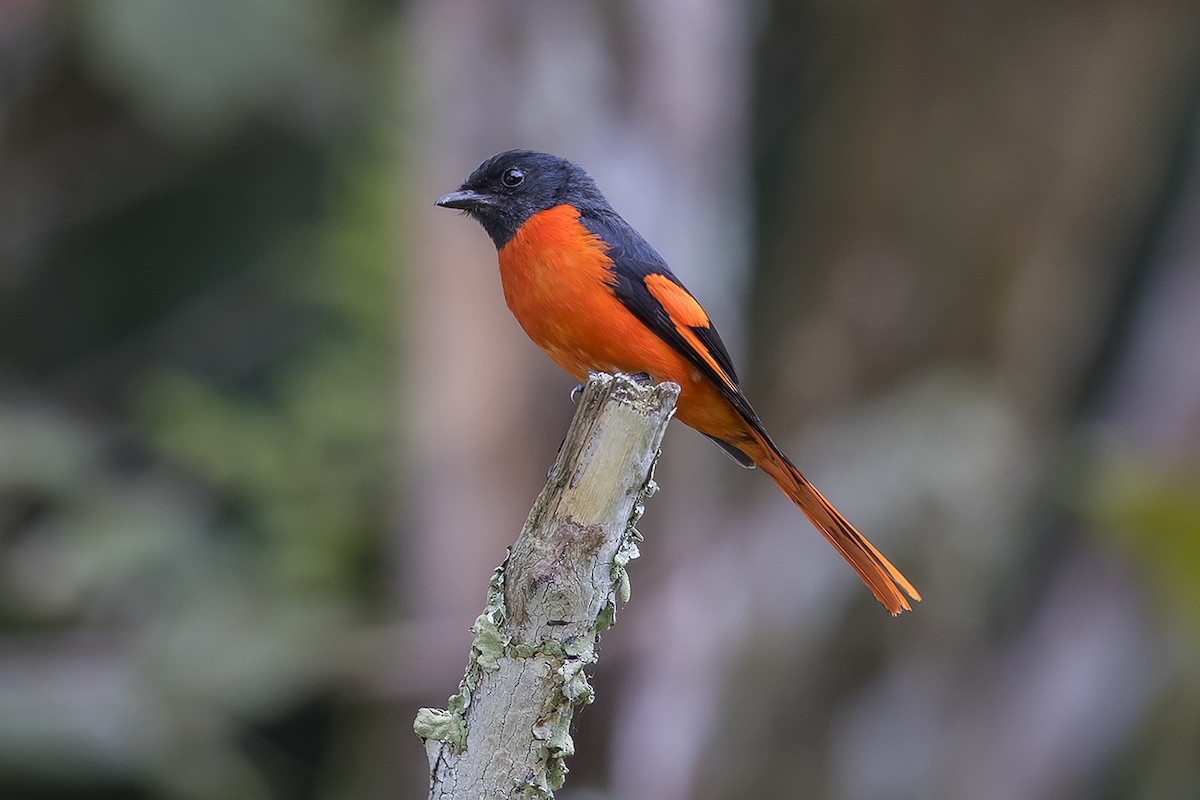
{"type": "Point", "coordinates": [883, 579]}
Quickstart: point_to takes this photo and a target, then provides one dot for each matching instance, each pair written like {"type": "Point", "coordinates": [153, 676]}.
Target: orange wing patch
{"type": "Point", "coordinates": [680, 305]}
{"type": "Point", "coordinates": [685, 314]}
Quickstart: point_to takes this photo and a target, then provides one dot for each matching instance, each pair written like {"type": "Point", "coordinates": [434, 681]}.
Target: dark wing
{"type": "Point", "coordinates": [647, 287]}
{"type": "Point", "coordinates": [738, 457]}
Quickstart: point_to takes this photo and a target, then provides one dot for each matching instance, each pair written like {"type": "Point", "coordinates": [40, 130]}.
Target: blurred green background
{"type": "Point", "coordinates": [266, 426]}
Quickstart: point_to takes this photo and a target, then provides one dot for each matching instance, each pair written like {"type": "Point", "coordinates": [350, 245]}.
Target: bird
{"type": "Point", "coordinates": [596, 297]}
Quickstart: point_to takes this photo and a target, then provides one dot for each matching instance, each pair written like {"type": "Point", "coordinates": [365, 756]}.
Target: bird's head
{"type": "Point", "coordinates": [512, 186]}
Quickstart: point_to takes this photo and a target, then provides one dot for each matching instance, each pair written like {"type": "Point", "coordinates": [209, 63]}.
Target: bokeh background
{"type": "Point", "coordinates": [266, 426]}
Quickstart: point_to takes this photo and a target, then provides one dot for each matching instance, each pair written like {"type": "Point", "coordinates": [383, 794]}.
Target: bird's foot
{"type": "Point", "coordinates": [640, 378]}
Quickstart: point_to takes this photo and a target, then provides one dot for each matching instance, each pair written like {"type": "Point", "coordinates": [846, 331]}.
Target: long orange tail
{"type": "Point", "coordinates": [884, 580]}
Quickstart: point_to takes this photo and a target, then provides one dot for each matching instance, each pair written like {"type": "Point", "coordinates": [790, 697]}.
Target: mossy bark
{"type": "Point", "coordinates": [506, 732]}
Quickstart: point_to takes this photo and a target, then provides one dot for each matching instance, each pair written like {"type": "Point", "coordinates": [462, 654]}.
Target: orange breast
{"type": "Point", "coordinates": [557, 282]}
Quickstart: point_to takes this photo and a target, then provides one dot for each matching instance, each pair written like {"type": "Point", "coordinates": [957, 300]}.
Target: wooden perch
{"type": "Point", "coordinates": [507, 731]}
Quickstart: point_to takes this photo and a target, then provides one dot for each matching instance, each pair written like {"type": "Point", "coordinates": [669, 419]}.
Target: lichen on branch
{"type": "Point", "coordinates": [506, 732]}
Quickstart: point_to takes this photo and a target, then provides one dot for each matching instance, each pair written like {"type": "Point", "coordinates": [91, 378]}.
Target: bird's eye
{"type": "Point", "coordinates": [512, 177]}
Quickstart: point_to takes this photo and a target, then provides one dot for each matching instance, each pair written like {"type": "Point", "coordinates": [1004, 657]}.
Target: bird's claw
{"type": "Point", "coordinates": [640, 378]}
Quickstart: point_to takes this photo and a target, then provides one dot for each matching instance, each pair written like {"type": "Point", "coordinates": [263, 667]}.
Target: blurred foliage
{"type": "Point", "coordinates": [307, 455]}
{"type": "Point", "coordinates": [200, 68]}
{"type": "Point", "coordinates": [194, 488]}
{"type": "Point", "coordinates": [1153, 513]}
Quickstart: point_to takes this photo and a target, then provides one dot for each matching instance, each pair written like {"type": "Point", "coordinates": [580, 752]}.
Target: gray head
{"type": "Point", "coordinates": [512, 186]}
